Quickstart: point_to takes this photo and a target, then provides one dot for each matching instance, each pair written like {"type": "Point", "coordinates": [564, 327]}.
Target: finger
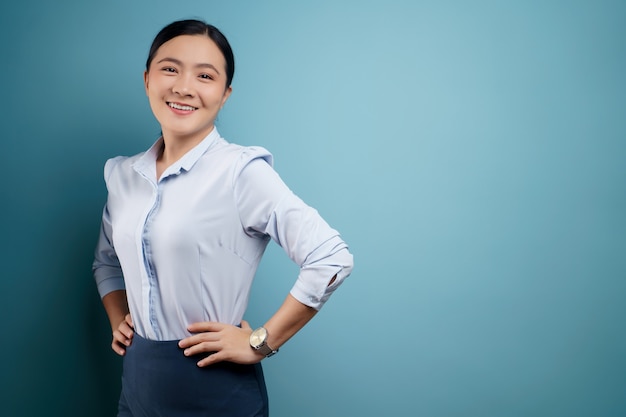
{"type": "Point", "coordinates": [129, 320]}
{"type": "Point", "coordinates": [121, 338]}
{"type": "Point", "coordinates": [204, 347]}
{"type": "Point", "coordinates": [205, 326]}
{"type": "Point", "coordinates": [199, 338]}
{"type": "Point", "coordinates": [117, 348]}
{"type": "Point", "coordinates": [126, 330]}
{"type": "Point", "coordinates": [247, 357]}
{"type": "Point", "coordinates": [211, 359]}
{"type": "Point", "coordinates": [245, 325]}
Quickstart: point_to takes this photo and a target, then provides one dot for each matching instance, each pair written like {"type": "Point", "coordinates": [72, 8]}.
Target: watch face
{"type": "Point", "coordinates": [258, 337]}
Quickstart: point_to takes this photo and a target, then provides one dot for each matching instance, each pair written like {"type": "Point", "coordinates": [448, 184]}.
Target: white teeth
{"type": "Point", "coordinates": [179, 107]}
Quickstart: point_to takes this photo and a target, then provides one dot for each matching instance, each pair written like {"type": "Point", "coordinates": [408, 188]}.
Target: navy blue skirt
{"type": "Point", "coordinates": [158, 380]}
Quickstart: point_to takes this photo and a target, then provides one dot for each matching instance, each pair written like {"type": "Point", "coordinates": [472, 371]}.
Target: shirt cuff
{"type": "Point", "coordinates": [312, 287]}
{"type": "Point", "coordinates": [110, 284]}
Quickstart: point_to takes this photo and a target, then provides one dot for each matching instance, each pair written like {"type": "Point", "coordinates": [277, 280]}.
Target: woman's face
{"type": "Point", "coordinates": [186, 86]}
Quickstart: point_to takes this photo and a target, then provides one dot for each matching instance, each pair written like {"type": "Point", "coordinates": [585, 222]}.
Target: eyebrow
{"type": "Point", "coordinates": [179, 62]}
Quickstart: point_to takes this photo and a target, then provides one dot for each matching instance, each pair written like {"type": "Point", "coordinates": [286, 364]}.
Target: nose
{"type": "Point", "coordinates": [182, 86]}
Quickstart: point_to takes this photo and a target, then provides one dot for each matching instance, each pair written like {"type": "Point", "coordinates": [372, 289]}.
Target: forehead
{"type": "Point", "coordinates": [191, 50]}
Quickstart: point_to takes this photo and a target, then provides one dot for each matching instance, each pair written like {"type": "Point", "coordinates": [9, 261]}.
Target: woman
{"type": "Point", "coordinates": [183, 231]}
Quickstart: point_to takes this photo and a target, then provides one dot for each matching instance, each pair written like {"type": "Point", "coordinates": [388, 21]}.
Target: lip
{"type": "Point", "coordinates": [188, 110]}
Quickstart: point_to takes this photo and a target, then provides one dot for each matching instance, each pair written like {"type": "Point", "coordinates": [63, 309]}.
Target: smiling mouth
{"type": "Point", "coordinates": [181, 106]}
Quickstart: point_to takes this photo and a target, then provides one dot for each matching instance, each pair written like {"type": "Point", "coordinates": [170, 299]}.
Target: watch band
{"type": "Point", "coordinates": [266, 350]}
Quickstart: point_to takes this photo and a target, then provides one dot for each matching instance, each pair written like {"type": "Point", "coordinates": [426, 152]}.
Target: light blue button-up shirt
{"type": "Point", "coordinates": [186, 246]}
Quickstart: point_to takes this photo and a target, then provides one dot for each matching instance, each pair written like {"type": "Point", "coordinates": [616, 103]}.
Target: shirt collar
{"type": "Point", "coordinates": [146, 164]}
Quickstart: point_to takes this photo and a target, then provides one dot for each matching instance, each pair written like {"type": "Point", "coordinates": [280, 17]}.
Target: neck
{"type": "Point", "coordinates": [176, 146]}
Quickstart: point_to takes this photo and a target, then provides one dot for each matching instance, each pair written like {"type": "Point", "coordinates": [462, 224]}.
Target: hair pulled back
{"type": "Point", "coordinates": [195, 27]}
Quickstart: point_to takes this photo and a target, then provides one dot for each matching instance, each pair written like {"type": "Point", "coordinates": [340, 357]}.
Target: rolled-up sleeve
{"type": "Point", "coordinates": [106, 266]}
{"type": "Point", "coordinates": [268, 207]}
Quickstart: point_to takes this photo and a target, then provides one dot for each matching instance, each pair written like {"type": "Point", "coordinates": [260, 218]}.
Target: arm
{"type": "Point", "coordinates": [287, 321]}
{"type": "Point", "coordinates": [116, 308]}
{"type": "Point", "coordinates": [231, 343]}
{"type": "Point", "coordinates": [109, 277]}
{"type": "Point", "coordinates": [268, 208]}
{"type": "Point", "coordinates": [110, 282]}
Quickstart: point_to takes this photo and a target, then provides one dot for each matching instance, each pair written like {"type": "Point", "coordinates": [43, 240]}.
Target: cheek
{"type": "Point", "coordinates": [220, 98]}
{"type": "Point", "coordinates": [157, 92]}
{"type": "Point", "coordinates": [153, 99]}
{"type": "Point", "coordinates": [156, 85]}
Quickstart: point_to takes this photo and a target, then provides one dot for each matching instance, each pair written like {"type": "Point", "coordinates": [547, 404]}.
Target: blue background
{"type": "Point", "coordinates": [471, 153]}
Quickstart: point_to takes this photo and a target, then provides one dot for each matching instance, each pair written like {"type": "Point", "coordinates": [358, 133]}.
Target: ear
{"type": "Point", "coordinates": [145, 81]}
{"type": "Point", "coordinates": [226, 95]}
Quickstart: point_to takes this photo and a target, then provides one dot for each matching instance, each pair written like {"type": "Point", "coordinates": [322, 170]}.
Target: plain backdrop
{"type": "Point", "coordinates": [472, 154]}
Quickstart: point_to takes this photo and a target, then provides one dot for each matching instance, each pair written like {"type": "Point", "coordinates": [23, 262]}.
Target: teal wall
{"type": "Point", "coordinates": [473, 154]}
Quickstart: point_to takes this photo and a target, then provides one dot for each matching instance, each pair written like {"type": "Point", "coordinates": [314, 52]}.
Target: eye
{"type": "Point", "coordinates": [169, 69]}
{"type": "Point", "coordinates": [206, 76]}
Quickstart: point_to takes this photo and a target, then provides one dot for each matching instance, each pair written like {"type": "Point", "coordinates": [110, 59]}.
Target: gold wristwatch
{"type": "Point", "coordinates": [258, 342]}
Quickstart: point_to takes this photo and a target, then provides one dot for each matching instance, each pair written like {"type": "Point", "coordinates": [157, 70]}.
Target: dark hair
{"type": "Point", "coordinates": [195, 27]}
